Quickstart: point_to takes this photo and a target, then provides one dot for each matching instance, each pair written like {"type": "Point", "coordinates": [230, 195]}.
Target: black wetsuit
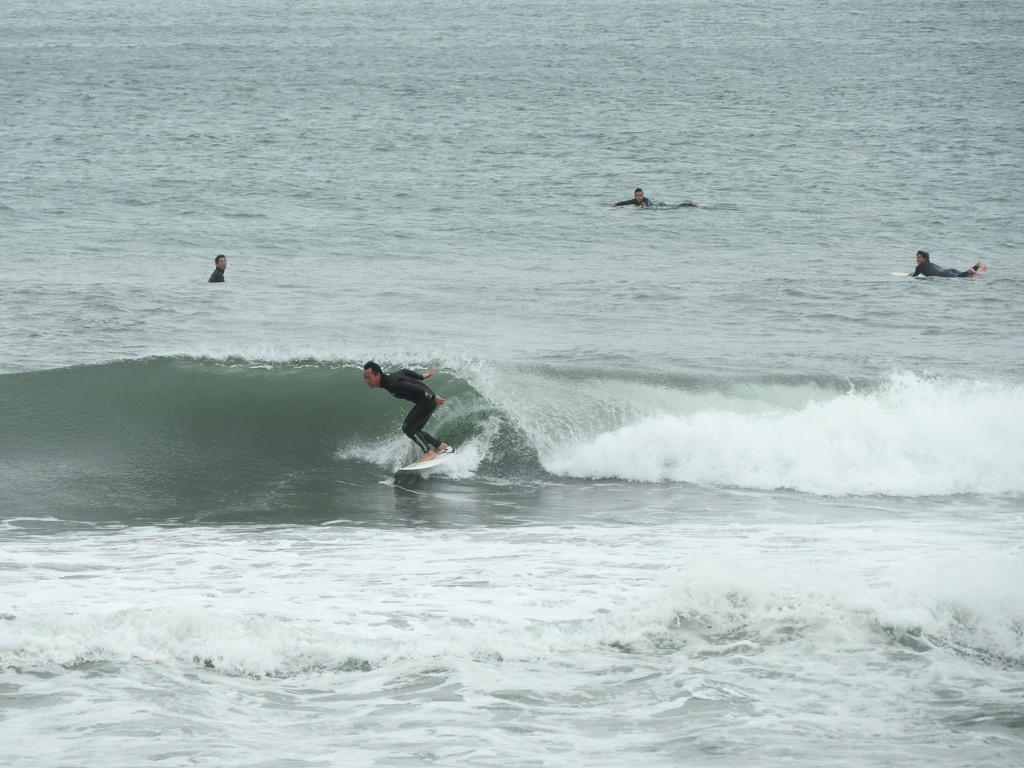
{"type": "Point", "coordinates": [408, 385]}
{"type": "Point", "coordinates": [217, 276]}
{"type": "Point", "coordinates": [934, 270]}
{"type": "Point", "coordinates": [646, 203]}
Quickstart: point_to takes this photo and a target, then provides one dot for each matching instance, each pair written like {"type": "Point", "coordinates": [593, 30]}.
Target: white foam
{"type": "Point", "coordinates": [913, 437]}
{"type": "Point", "coordinates": [755, 634]}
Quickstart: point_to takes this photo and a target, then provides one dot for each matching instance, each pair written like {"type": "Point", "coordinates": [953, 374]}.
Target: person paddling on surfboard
{"type": "Point", "coordinates": [925, 267]}
{"type": "Point", "coordinates": [408, 385]}
{"type": "Point", "coordinates": [642, 202]}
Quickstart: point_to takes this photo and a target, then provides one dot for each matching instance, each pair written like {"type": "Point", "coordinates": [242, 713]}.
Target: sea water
{"type": "Point", "coordinates": [727, 491]}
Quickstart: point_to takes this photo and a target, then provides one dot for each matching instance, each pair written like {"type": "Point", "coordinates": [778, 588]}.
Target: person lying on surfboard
{"type": "Point", "coordinates": [925, 267]}
{"type": "Point", "coordinates": [642, 202]}
{"type": "Point", "coordinates": [408, 385]}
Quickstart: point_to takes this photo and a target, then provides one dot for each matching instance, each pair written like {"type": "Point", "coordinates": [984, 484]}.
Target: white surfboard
{"type": "Point", "coordinates": [419, 466]}
{"type": "Point", "coordinates": [906, 274]}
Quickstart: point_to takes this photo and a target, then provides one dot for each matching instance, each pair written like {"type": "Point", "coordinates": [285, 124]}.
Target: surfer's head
{"type": "Point", "coordinates": [372, 374]}
{"type": "Point", "coordinates": [221, 261]}
{"type": "Point", "coordinates": [638, 194]}
{"type": "Point", "coordinates": [922, 256]}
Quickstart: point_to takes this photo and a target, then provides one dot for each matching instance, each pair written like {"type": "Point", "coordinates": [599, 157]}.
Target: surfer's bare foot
{"type": "Point", "coordinates": [981, 265]}
{"type": "Point", "coordinates": [431, 454]}
{"type": "Point", "coordinates": [442, 448]}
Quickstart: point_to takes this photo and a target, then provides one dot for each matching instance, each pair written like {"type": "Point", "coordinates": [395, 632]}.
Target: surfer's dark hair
{"type": "Point", "coordinates": [372, 366]}
{"type": "Point", "coordinates": [218, 257]}
{"type": "Point", "coordinates": [638, 190]}
{"type": "Point", "coordinates": [923, 253]}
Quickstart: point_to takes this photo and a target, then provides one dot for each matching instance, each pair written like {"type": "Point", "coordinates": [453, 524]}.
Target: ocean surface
{"type": "Point", "coordinates": [728, 492]}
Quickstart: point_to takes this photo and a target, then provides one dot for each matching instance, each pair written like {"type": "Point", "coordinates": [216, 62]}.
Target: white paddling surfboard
{"type": "Point", "coordinates": [906, 274]}
{"type": "Point", "coordinates": [419, 466]}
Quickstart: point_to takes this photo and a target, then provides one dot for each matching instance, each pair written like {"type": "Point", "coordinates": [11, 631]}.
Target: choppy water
{"type": "Point", "coordinates": [728, 493]}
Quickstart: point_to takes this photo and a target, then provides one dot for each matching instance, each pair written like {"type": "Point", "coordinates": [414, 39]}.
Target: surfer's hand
{"type": "Point", "coordinates": [428, 374]}
{"type": "Point", "coordinates": [438, 399]}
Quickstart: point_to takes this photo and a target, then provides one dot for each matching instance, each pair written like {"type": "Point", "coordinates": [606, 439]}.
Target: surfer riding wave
{"type": "Point", "coordinates": [408, 385]}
